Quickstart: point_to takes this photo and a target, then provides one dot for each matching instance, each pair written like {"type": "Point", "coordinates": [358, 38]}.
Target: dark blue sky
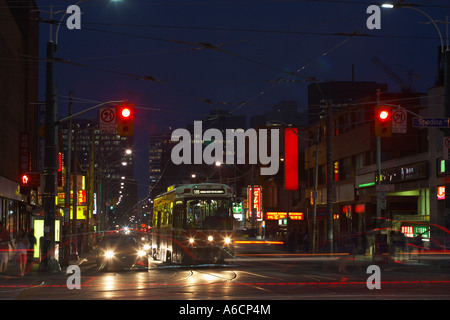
{"type": "Point", "coordinates": [256, 44]}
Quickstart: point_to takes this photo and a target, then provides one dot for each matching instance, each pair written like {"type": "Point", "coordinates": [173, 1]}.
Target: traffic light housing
{"type": "Point", "coordinates": [25, 188]}
{"type": "Point", "coordinates": [383, 121]}
{"type": "Point", "coordinates": [125, 119]}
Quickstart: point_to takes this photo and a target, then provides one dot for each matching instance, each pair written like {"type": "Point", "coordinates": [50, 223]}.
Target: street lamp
{"type": "Point", "coordinates": [388, 5]}
{"type": "Point", "coordinates": [444, 64]}
{"type": "Point", "coordinates": [49, 263]}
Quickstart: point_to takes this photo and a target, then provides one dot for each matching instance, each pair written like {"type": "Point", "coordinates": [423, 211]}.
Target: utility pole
{"type": "Point", "coordinates": [48, 262]}
{"type": "Point", "coordinates": [75, 194]}
{"type": "Point", "coordinates": [66, 228]}
{"type": "Point", "coordinates": [316, 181]}
{"type": "Point", "coordinates": [329, 136]}
{"type": "Point", "coordinates": [447, 134]}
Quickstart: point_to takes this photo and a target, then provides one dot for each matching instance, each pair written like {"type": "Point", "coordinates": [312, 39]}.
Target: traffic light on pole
{"type": "Point", "coordinates": [125, 119]}
{"type": "Point", "coordinates": [383, 121]}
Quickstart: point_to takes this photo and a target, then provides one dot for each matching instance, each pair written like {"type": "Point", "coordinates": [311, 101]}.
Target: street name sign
{"type": "Point", "coordinates": [431, 122]}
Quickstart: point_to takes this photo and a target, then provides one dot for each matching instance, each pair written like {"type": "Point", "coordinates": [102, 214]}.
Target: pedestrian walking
{"type": "Point", "coordinates": [306, 243]}
{"type": "Point", "coordinates": [22, 246]}
{"type": "Point", "coordinates": [5, 240]}
{"type": "Point", "coordinates": [292, 241]}
{"type": "Point", "coordinates": [32, 243]}
{"type": "Point", "coordinates": [300, 240]}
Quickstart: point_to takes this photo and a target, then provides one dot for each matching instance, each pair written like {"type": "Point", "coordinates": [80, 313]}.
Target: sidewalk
{"type": "Point", "coordinates": [32, 268]}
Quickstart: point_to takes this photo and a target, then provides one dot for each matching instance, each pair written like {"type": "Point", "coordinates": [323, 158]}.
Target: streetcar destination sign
{"type": "Point", "coordinates": [431, 122]}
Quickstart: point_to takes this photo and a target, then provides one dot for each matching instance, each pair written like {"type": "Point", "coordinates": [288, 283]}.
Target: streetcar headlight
{"type": "Point", "coordinates": [227, 240]}
{"type": "Point", "coordinates": [141, 253]}
{"type": "Point", "coordinates": [210, 238]}
{"type": "Point", "coordinates": [109, 254]}
{"type": "Point", "coordinates": [191, 240]}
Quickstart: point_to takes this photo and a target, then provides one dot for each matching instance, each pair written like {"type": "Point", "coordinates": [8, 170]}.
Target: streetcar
{"type": "Point", "coordinates": [193, 224]}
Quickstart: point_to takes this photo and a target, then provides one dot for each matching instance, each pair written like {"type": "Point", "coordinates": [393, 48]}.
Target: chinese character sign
{"type": "Point", "coordinates": [256, 200]}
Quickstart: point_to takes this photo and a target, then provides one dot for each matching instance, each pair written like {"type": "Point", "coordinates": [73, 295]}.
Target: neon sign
{"type": "Point", "coordinates": [256, 201]}
{"type": "Point", "coordinates": [441, 192]}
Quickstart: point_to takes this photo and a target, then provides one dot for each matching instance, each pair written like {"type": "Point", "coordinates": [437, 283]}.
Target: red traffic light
{"type": "Point", "coordinates": [125, 119]}
{"type": "Point", "coordinates": [125, 112]}
{"type": "Point", "coordinates": [383, 114]}
{"type": "Point", "coordinates": [383, 121]}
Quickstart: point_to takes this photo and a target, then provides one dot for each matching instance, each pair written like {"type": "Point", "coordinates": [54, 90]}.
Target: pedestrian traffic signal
{"type": "Point", "coordinates": [383, 121]}
{"type": "Point", "coordinates": [125, 119]}
{"type": "Point", "coordinates": [24, 184]}
{"type": "Point", "coordinates": [24, 180]}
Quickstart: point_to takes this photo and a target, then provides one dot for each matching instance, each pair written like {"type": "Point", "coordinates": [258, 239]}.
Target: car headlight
{"type": "Point", "coordinates": [191, 240]}
{"type": "Point", "coordinates": [146, 247]}
{"type": "Point", "coordinates": [141, 253]}
{"type": "Point", "coordinates": [210, 238]}
{"type": "Point", "coordinates": [109, 254]}
{"type": "Point", "coordinates": [227, 240]}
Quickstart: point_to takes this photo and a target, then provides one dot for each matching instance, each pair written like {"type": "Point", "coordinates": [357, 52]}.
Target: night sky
{"type": "Point", "coordinates": [179, 59]}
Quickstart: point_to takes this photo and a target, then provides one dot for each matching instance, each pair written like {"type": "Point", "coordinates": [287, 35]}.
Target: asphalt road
{"type": "Point", "coordinates": [256, 277]}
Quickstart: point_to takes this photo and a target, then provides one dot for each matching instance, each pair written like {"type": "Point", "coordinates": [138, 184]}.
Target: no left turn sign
{"type": "Point", "coordinates": [399, 121]}
{"type": "Point", "coordinates": [108, 120]}
{"type": "Point", "coordinates": [107, 115]}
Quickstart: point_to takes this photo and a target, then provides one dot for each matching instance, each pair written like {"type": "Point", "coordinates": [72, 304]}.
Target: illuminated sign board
{"type": "Point", "coordinates": [411, 172]}
{"type": "Point", "coordinates": [81, 197]}
{"type": "Point", "coordinates": [441, 192]}
{"type": "Point", "coordinates": [256, 200]}
{"type": "Point", "coordinates": [296, 215]}
{"type": "Point", "coordinates": [275, 215]}
{"type": "Point", "coordinates": [208, 191]}
{"type": "Point", "coordinates": [414, 231]}
{"type": "Point", "coordinates": [237, 207]}
{"type": "Point", "coordinates": [283, 215]}
{"type": "Point", "coordinates": [408, 231]}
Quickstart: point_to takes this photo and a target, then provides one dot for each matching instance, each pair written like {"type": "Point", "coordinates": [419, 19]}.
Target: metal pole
{"type": "Point", "coordinates": [67, 186]}
{"type": "Point", "coordinates": [48, 262]}
{"type": "Point", "coordinates": [377, 255]}
{"type": "Point", "coordinates": [329, 134]}
{"type": "Point", "coordinates": [316, 182]}
{"type": "Point", "coordinates": [75, 193]}
{"type": "Point", "coordinates": [447, 133]}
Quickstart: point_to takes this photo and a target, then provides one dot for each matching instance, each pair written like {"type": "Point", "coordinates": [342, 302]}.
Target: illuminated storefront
{"type": "Point", "coordinates": [38, 227]}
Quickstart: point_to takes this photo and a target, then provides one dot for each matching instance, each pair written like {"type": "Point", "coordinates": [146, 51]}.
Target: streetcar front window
{"type": "Point", "coordinates": [209, 214]}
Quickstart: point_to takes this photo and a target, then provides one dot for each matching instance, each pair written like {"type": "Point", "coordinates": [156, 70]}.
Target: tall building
{"type": "Point", "coordinates": [113, 168]}
{"type": "Point", "coordinates": [19, 37]}
{"type": "Point", "coordinates": [161, 169]}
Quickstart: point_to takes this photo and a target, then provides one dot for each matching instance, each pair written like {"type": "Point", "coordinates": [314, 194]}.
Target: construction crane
{"type": "Point", "coordinates": [404, 86]}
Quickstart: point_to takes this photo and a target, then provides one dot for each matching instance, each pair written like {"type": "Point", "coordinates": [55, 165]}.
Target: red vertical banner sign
{"type": "Point", "coordinates": [290, 158]}
{"type": "Point", "coordinates": [256, 201]}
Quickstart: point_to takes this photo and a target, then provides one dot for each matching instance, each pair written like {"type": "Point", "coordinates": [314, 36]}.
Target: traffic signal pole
{"type": "Point", "coordinates": [447, 134]}
{"type": "Point", "coordinates": [48, 261]}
